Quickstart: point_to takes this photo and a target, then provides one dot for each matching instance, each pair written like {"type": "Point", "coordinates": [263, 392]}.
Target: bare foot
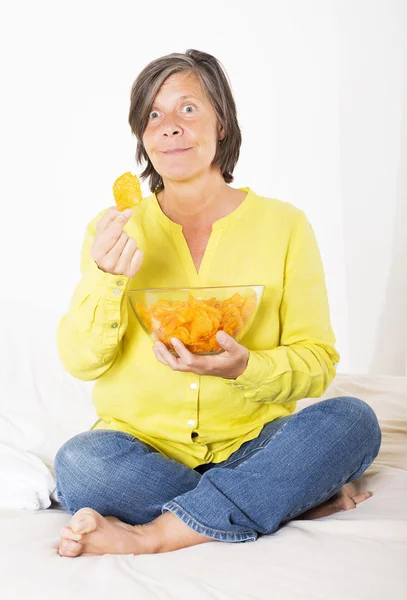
{"type": "Point", "coordinates": [345, 499]}
{"type": "Point", "coordinates": [90, 534]}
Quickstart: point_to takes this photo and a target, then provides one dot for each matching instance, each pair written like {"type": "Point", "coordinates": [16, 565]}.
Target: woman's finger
{"type": "Point", "coordinates": [159, 357]}
{"type": "Point", "coordinates": [125, 257]}
{"type": "Point", "coordinates": [185, 355]}
{"type": "Point", "coordinates": [111, 234]}
{"type": "Point", "coordinates": [135, 263]}
{"type": "Point", "coordinates": [114, 254]}
{"type": "Point", "coordinates": [107, 218]}
{"type": "Point", "coordinates": [169, 358]}
{"type": "Point", "coordinates": [200, 365]}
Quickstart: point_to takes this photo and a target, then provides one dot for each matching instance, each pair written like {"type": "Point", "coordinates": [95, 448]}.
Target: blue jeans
{"type": "Point", "coordinates": [296, 462]}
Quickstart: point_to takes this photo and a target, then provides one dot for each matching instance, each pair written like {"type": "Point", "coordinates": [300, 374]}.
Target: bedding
{"type": "Point", "coordinates": [355, 554]}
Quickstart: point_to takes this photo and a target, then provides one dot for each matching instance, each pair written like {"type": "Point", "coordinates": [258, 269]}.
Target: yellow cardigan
{"type": "Point", "coordinates": [291, 342]}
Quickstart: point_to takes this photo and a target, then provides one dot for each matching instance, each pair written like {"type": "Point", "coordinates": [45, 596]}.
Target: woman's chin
{"type": "Point", "coordinates": [178, 176]}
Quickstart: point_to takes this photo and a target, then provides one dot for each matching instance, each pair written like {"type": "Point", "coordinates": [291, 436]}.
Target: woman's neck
{"type": "Point", "coordinates": [195, 206]}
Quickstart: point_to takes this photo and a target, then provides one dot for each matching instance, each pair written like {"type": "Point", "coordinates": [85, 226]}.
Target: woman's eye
{"type": "Point", "coordinates": [188, 107]}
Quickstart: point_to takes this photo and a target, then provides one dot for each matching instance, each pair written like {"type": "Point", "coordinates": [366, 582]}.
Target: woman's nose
{"type": "Point", "coordinates": [170, 127]}
{"type": "Point", "coordinates": [171, 132]}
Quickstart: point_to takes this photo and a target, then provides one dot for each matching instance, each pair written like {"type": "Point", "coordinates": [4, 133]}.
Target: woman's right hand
{"type": "Point", "coordinates": [113, 250]}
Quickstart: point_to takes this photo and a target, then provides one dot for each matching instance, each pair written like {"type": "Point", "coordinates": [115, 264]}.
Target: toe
{"type": "Point", "coordinates": [84, 521]}
{"type": "Point", "coordinates": [69, 548]}
{"type": "Point", "coordinates": [346, 503]}
{"type": "Point", "coordinates": [361, 497]}
{"type": "Point", "coordinates": [67, 533]}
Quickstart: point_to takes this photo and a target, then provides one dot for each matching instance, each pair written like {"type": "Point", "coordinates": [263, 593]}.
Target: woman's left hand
{"type": "Point", "coordinates": [230, 364]}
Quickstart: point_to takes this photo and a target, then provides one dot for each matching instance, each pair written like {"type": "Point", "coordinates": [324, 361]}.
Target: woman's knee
{"type": "Point", "coordinates": [360, 416]}
{"type": "Point", "coordinates": [354, 407]}
{"type": "Point", "coordinates": [119, 475]}
{"type": "Point", "coordinates": [73, 462]}
{"type": "Point", "coordinates": [84, 465]}
{"type": "Point", "coordinates": [86, 447]}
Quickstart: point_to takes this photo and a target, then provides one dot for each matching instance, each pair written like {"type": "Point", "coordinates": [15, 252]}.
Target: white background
{"type": "Point", "coordinates": [321, 92]}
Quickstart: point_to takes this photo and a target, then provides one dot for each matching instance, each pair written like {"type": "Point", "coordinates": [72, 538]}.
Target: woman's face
{"type": "Point", "coordinates": [181, 117]}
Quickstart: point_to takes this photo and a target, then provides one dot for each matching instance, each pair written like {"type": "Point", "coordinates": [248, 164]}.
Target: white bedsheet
{"type": "Point", "coordinates": [357, 554]}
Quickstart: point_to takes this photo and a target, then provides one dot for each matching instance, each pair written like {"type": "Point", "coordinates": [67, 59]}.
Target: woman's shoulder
{"type": "Point", "coordinates": [276, 208]}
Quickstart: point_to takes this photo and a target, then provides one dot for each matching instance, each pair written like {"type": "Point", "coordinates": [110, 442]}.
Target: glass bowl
{"type": "Point", "coordinates": [195, 314]}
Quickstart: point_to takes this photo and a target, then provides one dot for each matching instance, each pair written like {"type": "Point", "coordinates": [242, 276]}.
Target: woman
{"type": "Point", "coordinates": [194, 449]}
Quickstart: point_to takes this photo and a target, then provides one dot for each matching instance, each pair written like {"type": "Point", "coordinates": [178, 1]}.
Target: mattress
{"type": "Point", "coordinates": [355, 554]}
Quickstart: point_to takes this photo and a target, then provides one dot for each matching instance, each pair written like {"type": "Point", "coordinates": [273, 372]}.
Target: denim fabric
{"type": "Point", "coordinates": [297, 462]}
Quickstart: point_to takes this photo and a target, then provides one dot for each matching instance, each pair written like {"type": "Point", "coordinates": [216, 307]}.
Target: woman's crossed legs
{"type": "Point", "coordinates": [295, 468]}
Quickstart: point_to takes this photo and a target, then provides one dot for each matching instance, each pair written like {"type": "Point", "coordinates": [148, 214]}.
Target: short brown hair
{"type": "Point", "coordinates": [215, 83]}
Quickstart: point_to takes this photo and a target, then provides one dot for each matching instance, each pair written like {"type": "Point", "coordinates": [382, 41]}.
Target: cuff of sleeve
{"type": "Point", "coordinates": [257, 370]}
{"type": "Point", "coordinates": [99, 277]}
{"type": "Point", "coordinates": [112, 288]}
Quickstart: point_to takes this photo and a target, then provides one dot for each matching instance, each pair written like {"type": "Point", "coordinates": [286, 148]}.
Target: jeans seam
{"type": "Point", "coordinates": [216, 531]}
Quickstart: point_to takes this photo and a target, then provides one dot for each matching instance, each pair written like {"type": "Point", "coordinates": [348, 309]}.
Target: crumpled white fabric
{"type": "Point", "coordinates": [25, 481]}
{"type": "Point", "coordinates": [41, 407]}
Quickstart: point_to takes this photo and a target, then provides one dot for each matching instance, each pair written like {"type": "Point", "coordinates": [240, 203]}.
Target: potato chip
{"type": "Point", "coordinates": [126, 191]}
{"type": "Point", "coordinates": [182, 334]}
{"type": "Point", "coordinates": [196, 321]}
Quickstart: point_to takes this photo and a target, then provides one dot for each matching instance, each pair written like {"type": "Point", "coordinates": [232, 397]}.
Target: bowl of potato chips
{"type": "Point", "coordinates": [195, 314]}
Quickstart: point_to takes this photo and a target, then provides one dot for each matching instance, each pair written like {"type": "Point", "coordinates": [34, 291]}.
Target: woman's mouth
{"type": "Point", "coordinates": [176, 151]}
